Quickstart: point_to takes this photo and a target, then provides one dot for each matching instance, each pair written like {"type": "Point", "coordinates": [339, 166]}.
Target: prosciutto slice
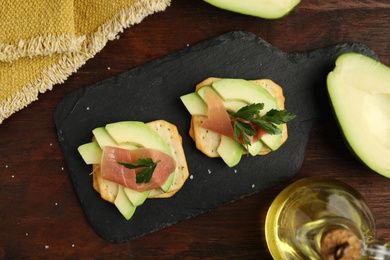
{"type": "Point", "coordinates": [218, 119]}
{"type": "Point", "coordinates": [113, 171]}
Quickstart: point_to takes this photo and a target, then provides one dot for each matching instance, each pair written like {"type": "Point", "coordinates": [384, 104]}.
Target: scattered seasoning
{"type": "Point", "coordinates": [56, 203]}
{"type": "Point", "coordinates": [13, 176]}
{"type": "Point", "coordinates": [62, 168]}
{"type": "Point", "coordinates": [26, 234]}
{"type": "Point", "coordinates": [209, 171]}
{"type": "Point", "coordinates": [46, 246]}
{"type": "Point", "coordinates": [188, 44]}
{"type": "Point", "coordinates": [235, 170]}
{"type": "Point", "coordinates": [253, 186]}
{"type": "Point", "coordinates": [87, 108]}
{"type": "Point", "coordinates": [6, 166]}
{"type": "Point", "coordinates": [191, 176]}
{"type": "Point", "coordinates": [51, 144]}
{"type": "Point", "coordinates": [72, 245]}
{"type": "Point", "coordinates": [108, 68]}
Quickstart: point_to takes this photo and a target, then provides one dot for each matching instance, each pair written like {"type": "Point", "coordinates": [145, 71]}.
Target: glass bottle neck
{"type": "Point", "coordinates": [332, 238]}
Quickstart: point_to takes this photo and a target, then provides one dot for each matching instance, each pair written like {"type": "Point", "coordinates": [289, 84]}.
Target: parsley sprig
{"type": "Point", "coordinates": [145, 175]}
{"type": "Point", "coordinates": [244, 117]}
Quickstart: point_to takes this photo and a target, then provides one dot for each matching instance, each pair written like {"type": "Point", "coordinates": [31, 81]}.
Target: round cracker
{"type": "Point", "coordinates": [208, 141]}
{"type": "Point", "coordinates": [170, 134]}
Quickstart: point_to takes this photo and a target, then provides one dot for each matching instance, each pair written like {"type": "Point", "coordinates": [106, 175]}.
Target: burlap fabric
{"type": "Point", "coordinates": [42, 42]}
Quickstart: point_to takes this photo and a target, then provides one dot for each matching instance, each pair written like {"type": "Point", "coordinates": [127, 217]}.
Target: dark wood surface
{"type": "Point", "coordinates": [41, 217]}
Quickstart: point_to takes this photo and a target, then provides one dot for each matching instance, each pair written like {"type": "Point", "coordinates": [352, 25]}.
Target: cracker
{"type": "Point", "coordinates": [208, 141]}
{"type": "Point", "coordinates": [170, 134]}
{"type": "Point", "coordinates": [107, 189]}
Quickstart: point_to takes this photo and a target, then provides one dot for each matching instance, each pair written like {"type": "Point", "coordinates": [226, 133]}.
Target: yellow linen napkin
{"type": "Point", "coordinates": [30, 28]}
{"type": "Point", "coordinates": [44, 42]}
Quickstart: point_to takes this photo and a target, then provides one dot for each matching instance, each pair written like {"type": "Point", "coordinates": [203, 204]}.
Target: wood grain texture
{"type": "Point", "coordinates": [41, 216]}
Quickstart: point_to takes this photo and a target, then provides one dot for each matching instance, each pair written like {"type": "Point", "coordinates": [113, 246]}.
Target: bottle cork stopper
{"type": "Point", "coordinates": [340, 244]}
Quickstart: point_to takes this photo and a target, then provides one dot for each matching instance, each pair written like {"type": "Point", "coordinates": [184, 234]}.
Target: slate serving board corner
{"type": "Point", "coordinates": [152, 92]}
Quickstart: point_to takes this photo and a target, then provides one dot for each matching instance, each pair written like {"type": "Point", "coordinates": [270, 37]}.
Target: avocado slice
{"type": "Point", "coordinates": [230, 104]}
{"type": "Point", "coordinates": [261, 8]}
{"type": "Point", "coordinates": [230, 151]}
{"type": "Point", "coordinates": [123, 204]}
{"type": "Point", "coordinates": [136, 198]}
{"type": "Point", "coordinates": [246, 91]}
{"type": "Point", "coordinates": [104, 139]}
{"type": "Point", "coordinates": [359, 91]}
{"type": "Point", "coordinates": [194, 104]}
{"type": "Point", "coordinates": [136, 133]}
{"type": "Point", "coordinates": [90, 152]}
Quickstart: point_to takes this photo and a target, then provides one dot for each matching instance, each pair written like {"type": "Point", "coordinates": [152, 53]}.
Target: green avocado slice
{"type": "Point", "coordinates": [261, 8]}
{"type": "Point", "coordinates": [359, 91]}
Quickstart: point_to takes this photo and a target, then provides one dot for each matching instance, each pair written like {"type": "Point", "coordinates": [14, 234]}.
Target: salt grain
{"type": "Point", "coordinates": [191, 177]}
{"type": "Point", "coordinates": [235, 170]}
{"type": "Point", "coordinates": [87, 108]}
{"type": "Point", "coordinates": [108, 68]}
{"type": "Point", "coordinates": [26, 234]}
{"type": "Point", "coordinates": [46, 247]}
{"type": "Point", "coordinates": [253, 186]}
{"type": "Point", "coordinates": [209, 171]}
{"type": "Point", "coordinates": [72, 245]}
{"type": "Point", "coordinates": [13, 176]}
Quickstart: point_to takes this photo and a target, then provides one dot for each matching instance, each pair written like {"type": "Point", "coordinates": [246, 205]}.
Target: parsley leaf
{"type": "Point", "coordinates": [242, 127]}
{"type": "Point", "coordinates": [248, 115]}
{"type": "Point", "coordinates": [267, 126]}
{"type": "Point", "coordinates": [278, 116]}
{"type": "Point", "coordinates": [249, 111]}
{"type": "Point", "coordinates": [145, 175]}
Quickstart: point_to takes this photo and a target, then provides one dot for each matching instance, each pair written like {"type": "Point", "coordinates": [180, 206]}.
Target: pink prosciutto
{"type": "Point", "coordinates": [113, 171]}
{"type": "Point", "coordinates": [218, 119]}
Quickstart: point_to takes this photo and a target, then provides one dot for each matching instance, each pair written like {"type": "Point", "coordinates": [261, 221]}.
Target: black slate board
{"type": "Point", "coordinates": [152, 92]}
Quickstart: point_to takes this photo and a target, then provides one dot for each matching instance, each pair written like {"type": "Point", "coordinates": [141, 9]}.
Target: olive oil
{"type": "Point", "coordinates": [312, 209]}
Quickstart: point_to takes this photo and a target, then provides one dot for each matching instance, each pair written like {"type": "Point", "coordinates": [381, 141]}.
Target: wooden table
{"type": "Point", "coordinates": [40, 214]}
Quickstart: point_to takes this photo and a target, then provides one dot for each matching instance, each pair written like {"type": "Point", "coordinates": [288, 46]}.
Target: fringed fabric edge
{"type": "Point", "coordinates": [40, 45]}
{"type": "Point", "coordinates": [71, 62]}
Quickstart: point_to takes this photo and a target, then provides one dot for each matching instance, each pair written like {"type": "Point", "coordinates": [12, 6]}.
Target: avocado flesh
{"type": "Point", "coordinates": [123, 204]}
{"type": "Point", "coordinates": [135, 197]}
{"type": "Point", "coordinates": [104, 139]}
{"type": "Point", "coordinates": [230, 151]}
{"type": "Point", "coordinates": [268, 9]}
{"type": "Point", "coordinates": [194, 104]}
{"type": "Point", "coordinates": [136, 133]}
{"type": "Point", "coordinates": [233, 89]}
{"type": "Point", "coordinates": [232, 104]}
{"type": "Point", "coordinates": [90, 152]}
{"type": "Point", "coordinates": [359, 90]}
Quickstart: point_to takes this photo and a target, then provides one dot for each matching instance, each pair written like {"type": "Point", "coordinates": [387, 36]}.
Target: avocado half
{"type": "Point", "coordinates": [359, 91]}
{"type": "Point", "coordinates": [261, 8]}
